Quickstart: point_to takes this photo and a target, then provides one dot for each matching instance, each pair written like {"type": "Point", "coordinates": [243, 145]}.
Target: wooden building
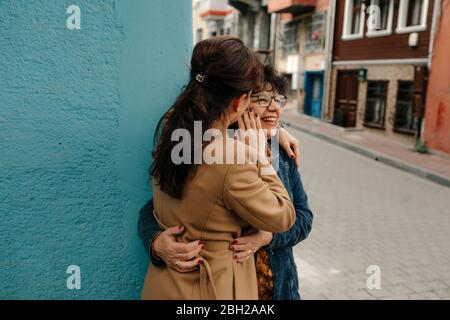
{"type": "Point", "coordinates": [381, 52]}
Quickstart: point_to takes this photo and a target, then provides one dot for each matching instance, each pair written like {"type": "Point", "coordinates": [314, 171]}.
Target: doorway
{"type": "Point", "coordinates": [313, 93]}
{"type": "Point", "coordinates": [346, 98]}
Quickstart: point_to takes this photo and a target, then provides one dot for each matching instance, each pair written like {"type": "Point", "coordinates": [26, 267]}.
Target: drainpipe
{"type": "Point", "coordinates": [329, 57]}
{"type": "Point", "coordinates": [274, 22]}
{"type": "Point", "coordinates": [434, 28]}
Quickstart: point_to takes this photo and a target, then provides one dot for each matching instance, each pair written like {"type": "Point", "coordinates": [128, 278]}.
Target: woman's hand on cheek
{"type": "Point", "coordinates": [251, 131]}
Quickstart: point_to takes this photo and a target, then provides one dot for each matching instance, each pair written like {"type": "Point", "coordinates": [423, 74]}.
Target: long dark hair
{"type": "Point", "coordinates": [222, 69]}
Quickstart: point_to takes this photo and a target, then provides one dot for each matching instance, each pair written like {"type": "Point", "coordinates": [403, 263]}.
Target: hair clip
{"type": "Point", "coordinates": [200, 77]}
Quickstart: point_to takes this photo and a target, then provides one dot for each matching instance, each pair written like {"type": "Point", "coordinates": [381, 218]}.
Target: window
{"type": "Point", "coordinates": [382, 18]}
{"type": "Point", "coordinates": [412, 16]}
{"type": "Point", "coordinates": [356, 17]}
{"type": "Point", "coordinates": [315, 27]}
{"type": "Point", "coordinates": [376, 104]}
{"type": "Point", "coordinates": [404, 118]}
{"type": "Point", "coordinates": [353, 19]}
{"type": "Point", "coordinates": [290, 37]}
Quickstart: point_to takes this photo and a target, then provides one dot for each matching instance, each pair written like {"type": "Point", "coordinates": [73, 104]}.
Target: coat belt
{"type": "Point", "coordinates": [206, 278]}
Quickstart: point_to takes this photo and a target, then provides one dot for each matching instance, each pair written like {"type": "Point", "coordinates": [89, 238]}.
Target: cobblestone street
{"type": "Point", "coordinates": [367, 213]}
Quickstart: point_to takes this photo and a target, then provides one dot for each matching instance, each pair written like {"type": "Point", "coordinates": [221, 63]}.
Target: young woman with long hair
{"type": "Point", "coordinates": [214, 202]}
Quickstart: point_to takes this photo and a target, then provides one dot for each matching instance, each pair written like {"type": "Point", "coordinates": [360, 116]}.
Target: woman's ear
{"type": "Point", "coordinates": [237, 103]}
{"type": "Point", "coordinates": [237, 108]}
{"type": "Point", "coordinates": [246, 100]}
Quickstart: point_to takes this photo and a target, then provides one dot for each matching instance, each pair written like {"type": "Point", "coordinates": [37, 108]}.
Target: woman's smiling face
{"type": "Point", "coordinates": [269, 115]}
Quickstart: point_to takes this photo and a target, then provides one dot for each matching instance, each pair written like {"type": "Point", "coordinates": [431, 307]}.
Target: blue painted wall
{"type": "Point", "coordinates": [77, 114]}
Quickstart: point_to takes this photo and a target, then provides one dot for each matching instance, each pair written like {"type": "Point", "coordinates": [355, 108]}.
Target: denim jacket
{"type": "Point", "coordinates": [284, 269]}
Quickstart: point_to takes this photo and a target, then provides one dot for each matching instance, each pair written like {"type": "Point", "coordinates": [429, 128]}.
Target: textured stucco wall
{"type": "Point", "coordinates": [77, 114]}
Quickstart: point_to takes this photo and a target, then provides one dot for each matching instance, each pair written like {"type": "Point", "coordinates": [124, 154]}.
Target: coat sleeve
{"type": "Point", "coordinates": [148, 227]}
{"type": "Point", "coordinates": [260, 200]}
{"type": "Point", "coordinates": [304, 216]}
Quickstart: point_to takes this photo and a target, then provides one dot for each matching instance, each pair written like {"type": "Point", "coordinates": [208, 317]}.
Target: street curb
{"type": "Point", "coordinates": [420, 172]}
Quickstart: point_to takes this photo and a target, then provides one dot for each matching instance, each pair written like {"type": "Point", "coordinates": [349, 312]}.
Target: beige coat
{"type": "Point", "coordinates": [221, 201]}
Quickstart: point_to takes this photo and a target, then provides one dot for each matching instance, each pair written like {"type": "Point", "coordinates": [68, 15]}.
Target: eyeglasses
{"type": "Point", "coordinates": [265, 99]}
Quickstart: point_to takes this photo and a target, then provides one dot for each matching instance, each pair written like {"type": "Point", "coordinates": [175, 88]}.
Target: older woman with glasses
{"type": "Point", "coordinates": [277, 276]}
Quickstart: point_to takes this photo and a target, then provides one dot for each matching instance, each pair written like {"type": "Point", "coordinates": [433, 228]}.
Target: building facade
{"type": "Point", "coordinates": [247, 19]}
{"type": "Point", "coordinates": [360, 64]}
{"type": "Point", "coordinates": [252, 23]}
{"type": "Point", "coordinates": [437, 114]}
{"type": "Point", "coordinates": [211, 18]}
{"type": "Point", "coordinates": [301, 50]}
{"type": "Point", "coordinates": [289, 34]}
{"type": "Point", "coordinates": [379, 72]}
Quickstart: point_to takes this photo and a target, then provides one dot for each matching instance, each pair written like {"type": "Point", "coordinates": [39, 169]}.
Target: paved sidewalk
{"type": "Point", "coordinates": [369, 214]}
{"type": "Point", "coordinates": [429, 166]}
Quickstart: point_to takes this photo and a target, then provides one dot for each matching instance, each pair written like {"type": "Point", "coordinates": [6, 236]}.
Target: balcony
{"type": "Point", "coordinates": [291, 6]}
{"type": "Point", "coordinates": [244, 5]}
{"type": "Point", "coordinates": [213, 8]}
